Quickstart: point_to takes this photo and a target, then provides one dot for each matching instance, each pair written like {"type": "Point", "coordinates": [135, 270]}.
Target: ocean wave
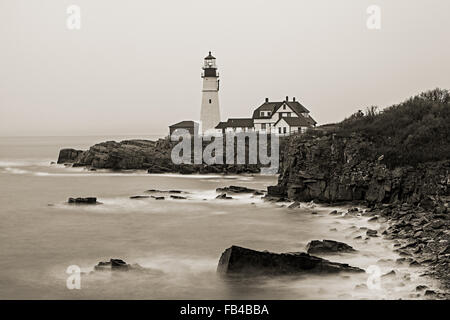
{"type": "Point", "coordinates": [25, 163]}
{"type": "Point", "coordinates": [16, 171]}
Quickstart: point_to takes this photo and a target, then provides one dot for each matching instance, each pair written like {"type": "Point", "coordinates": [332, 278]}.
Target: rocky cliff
{"type": "Point", "coordinates": [335, 168]}
{"type": "Point", "coordinates": [154, 156]}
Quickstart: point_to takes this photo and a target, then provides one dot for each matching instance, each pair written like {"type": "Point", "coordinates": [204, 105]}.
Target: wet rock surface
{"type": "Point", "coordinates": [239, 260]}
{"type": "Point", "coordinates": [327, 246]}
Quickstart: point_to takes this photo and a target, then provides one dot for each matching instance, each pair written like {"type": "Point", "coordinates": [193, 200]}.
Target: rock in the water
{"type": "Point", "coordinates": [112, 265]}
{"type": "Point", "coordinates": [238, 260]}
{"type": "Point", "coordinates": [223, 196]}
{"type": "Point", "coordinates": [235, 189]}
{"type": "Point", "coordinates": [139, 197]}
{"type": "Point", "coordinates": [328, 246]}
{"type": "Point", "coordinates": [371, 233]}
{"type": "Point", "coordinates": [68, 155]}
{"type": "Point", "coordinates": [88, 200]}
{"type": "Point", "coordinates": [294, 205]}
{"type": "Point", "coordinates": [158, 197]}
{"type": "Point", "coordinates": [178, 197]}
{"type": "Point", "coordinates": [421, 287]}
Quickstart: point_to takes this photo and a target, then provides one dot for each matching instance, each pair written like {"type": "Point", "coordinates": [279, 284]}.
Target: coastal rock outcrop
{"type": "Point", "coordinates": [153, 156]}
{"type": "Point", "coordinates": [333, 168]}
{"type": "Point", "coordinates": [239, 260]}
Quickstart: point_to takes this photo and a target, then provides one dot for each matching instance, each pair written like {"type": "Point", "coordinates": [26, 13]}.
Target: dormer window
{"type": "Point", "coordinates": [284, 107]}
{"type": "Point", "coordinates": [268, 113]}
{"type": "Point", "coordinates": [262, 114]}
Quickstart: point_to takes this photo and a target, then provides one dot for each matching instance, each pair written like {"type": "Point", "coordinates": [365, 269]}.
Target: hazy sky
{"type": "Point", "coordinates": [134, 67]}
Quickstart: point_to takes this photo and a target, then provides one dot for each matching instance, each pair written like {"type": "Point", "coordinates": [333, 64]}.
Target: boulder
{"type": "Point", "coordinates": [239, 260]}
{"type": "Point", "coordinates": [327, 246]}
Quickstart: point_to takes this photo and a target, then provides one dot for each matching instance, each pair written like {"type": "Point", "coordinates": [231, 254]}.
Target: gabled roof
{"type": "Point", "coordinates": [221, 125]}
{"type": "Point", "coordinates": [296, 106]}
{"type": "Point", "coordinates": [266, 106]}
{"type": "Point", "coordinates": [236, 123]}
{"type": "Point", "coordinates": [183, 124]}
{"type": "Point", "coordinates": [295, 121]}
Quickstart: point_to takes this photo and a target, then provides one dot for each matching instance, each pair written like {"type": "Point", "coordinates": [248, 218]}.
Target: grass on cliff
{"type": "Point", "coordinates": [412, 132]}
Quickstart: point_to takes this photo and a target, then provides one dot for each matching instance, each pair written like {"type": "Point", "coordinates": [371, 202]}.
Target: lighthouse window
{"type": "Point", "coordinates": [209, 100]}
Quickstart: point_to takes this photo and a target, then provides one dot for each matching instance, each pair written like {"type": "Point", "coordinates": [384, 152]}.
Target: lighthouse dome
{"type": "Point", "coordinates": [209, 56]}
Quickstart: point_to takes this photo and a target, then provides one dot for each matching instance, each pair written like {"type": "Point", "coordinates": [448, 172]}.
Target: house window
{"type": "Point", "coordinates": [268, 113]}
{"type": "Point", "coordinates": [284, 129]}
{"type": "Point", "coordinates": [288, 114]}
{"type": "Point", "coordinates": [209, 100]}
{"type": "Point", "coordinates": [284, 107]}
{"type": "Point", "coordinates": [279, 129]}
{"type": "Point", "coordinates": [262, 113]}
{"type": "Point", "coordinates": [263, 126]}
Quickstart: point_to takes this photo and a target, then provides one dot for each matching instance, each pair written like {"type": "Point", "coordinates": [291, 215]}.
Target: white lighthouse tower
{"type": "Point", "coordinates": [210, 111]}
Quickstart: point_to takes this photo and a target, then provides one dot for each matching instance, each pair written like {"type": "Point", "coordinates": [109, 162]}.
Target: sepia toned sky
{"type": "Point", "coordinates": [134, 66]}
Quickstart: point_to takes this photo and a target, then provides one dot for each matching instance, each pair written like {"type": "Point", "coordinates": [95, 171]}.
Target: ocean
{"type": "Point", "coordinates": [179, 240]}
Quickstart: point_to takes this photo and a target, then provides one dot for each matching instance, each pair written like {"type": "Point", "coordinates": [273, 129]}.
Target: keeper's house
{"type": "Point", "coordinates": [283, 118]}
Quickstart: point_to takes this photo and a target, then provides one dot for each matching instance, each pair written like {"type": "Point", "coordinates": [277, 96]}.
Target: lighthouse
{"type": "Point", "coordinates": [210, 112]}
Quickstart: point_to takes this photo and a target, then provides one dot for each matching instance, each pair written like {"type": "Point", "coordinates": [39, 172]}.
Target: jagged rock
{"type": "Point", "coordinates": [153, 156]}
{"type": "Point", "coordinates": [338, 169]}
{"type": "Point", "coordinates": [112, 265]}
{"type": "Point", "coordinates": [68, 155]}
{"type": "Point", "coordinates": [238, 260]}
{"type": "Point", "coordinates": [371, 233]}
{"type": "Point", "coordinates": [236, 189]}
{"type": "Point", "coordinates": [88, 200]}
{"type": "Point", "coordinates": [327, 246]}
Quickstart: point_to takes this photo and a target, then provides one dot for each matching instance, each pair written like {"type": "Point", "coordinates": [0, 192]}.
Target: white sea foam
{"type": "Point", "coordinates": [16, 171]}
{"type": "Point", "coordinates": [25, 163]}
